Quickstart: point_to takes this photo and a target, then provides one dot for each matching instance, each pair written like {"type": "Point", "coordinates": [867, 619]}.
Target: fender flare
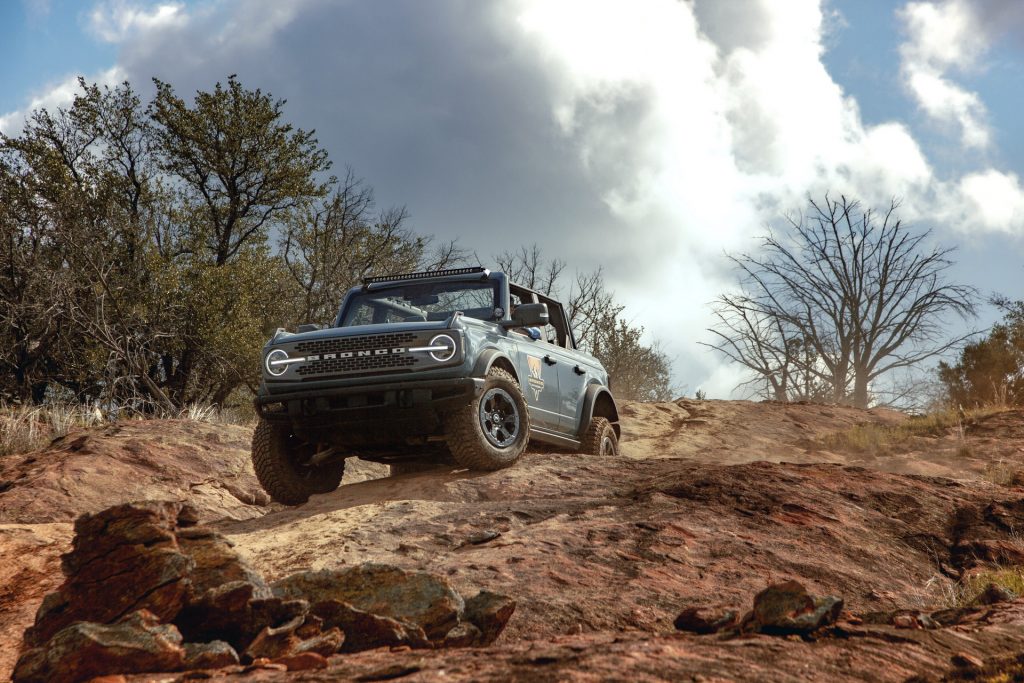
{"type": "Point", "coordinates": [487, 358]}
{"type": "Point", "coordinates": [595, 392]}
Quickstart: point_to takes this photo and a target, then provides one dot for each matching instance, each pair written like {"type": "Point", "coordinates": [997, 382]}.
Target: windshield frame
{"type": "Point", "coordinates": [358, 296]}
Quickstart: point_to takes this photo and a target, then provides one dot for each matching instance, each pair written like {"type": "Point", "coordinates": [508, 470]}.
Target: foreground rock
{"type": "Point", "coordinates": [139, 642]}
{"type": "Point", "coordinates": [146, 589]}
{"type": "Point", "coordinates": [602, 554]}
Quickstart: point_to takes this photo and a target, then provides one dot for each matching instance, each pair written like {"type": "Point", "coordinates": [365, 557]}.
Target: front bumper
{"type": "Point", "coordinates": [374, 403]}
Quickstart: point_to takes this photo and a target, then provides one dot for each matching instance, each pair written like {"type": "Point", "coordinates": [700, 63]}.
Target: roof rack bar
{"type": "Point", "coordinates": [426, 274]}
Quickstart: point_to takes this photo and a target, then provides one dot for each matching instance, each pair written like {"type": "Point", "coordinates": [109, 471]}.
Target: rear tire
{"type": "Point", "coordinates": [278, 457]}
{"type": "Point", "coordinates": [600, 438]}
{"type": "Point", "coordinates": [492, 432]}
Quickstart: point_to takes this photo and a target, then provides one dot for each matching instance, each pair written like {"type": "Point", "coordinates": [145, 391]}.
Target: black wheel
{"type": "Point", "coordinates": [279, 458]}
{"type": "Point", "coordinates": [492, 431]}
{"type": "Point", "coordinates": [600, 438]}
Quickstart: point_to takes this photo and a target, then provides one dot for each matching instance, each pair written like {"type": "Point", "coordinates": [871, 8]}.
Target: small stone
{"type": "Point", "coordinates": [484, 536]}
{"type": "Point", "coordinates": [788, 608]}
{"type": "Point", "coordinates": [906, 621]}
{"type": "Point", "coordinates": [993, 594]}
{"type": "Point", "coordinates": [704, 620]}
{"type": "Point", "coordinates": [463, 635]}
{"type": "Point", "coordinates": [272, 643]}
{"type": "Point", "coordinates": [304, 661]}
{"type": "Point", "coordinates": [489, 612]}
{"type": "Point", "coordinates": [964, 660]}
{"type": "Point", "coordinates": [326, 643]}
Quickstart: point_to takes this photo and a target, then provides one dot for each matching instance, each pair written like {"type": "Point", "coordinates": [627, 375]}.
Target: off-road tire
{"type": "Point", "coordinates": [600, 438]}
{"type": "Point", "coordinates": [469, 445]}
{"type": "Point", "coordinates": [276, 458]}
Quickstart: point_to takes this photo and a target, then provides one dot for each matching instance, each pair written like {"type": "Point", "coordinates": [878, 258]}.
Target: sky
{"type": "Point", "coordinates": [646, 137]}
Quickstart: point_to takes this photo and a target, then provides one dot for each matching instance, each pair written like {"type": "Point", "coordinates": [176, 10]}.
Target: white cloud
{"type": "Point", "coordinates": [990, 201]}
{"type": "Point", "coordinates": [686, 126]}
{"type": "Point", "coordinates": [114, 21]}
{"type": "Point", "coordinates": [943, 36]}
{"type": "Point", "coordinates": [57, 95]}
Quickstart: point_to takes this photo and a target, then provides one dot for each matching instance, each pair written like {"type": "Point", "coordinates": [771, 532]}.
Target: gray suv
{"type": "Point", "coordinates": [457, 365]}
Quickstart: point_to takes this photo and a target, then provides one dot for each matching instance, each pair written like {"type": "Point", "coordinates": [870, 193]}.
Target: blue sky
{"type": "Point", "coordinates": [646, 137]}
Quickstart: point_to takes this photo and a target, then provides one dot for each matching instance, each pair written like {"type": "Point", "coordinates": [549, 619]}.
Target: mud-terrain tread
{"type": "Point", "coordinates": [276, 475]}
{"type": "Point", "coordinates": [468, 445]}
{"type": "Point", "coordinates": [591, 442]}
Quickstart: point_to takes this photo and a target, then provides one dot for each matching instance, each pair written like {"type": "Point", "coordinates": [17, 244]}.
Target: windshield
{"type": "Point", "coordinates": [420, 302]}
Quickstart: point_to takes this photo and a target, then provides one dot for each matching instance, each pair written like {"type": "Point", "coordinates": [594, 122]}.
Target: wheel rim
{"type": "Point", "coordinates": [499, 417]}
{"type": "Point", "coordinates": [607, 446]}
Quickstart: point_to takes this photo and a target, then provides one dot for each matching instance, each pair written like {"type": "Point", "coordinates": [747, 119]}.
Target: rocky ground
{"type": "Point", "coordinates": [710, 503]}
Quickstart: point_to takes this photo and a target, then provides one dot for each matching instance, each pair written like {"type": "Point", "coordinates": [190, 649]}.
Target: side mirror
{"type": "Point", "coordinates": [529, 315]}
{"type": "Point", "coordinates": [308, 327]}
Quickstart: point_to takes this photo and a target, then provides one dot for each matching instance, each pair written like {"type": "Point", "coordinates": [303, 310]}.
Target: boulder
{"type": "Point", "coordinates": [415, 597]}
{"type": "Point", "coordinates": [216, 562]}
{"type": "Point", "coordinates": [138, 643]}
{"type": "Point", "coordinates": [787, 608]}
{"type": "Point", "coordinates": [489, 612]}
{"type": "Point", "coordinates": [135, 541]}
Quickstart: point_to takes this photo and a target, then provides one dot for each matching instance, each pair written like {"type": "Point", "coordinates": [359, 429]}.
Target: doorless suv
{"type": "Point", "coordinates": [458, 364]}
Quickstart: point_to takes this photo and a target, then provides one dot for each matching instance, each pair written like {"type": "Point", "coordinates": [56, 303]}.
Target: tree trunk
{"type": "Point", "coordinates": [860, 390]}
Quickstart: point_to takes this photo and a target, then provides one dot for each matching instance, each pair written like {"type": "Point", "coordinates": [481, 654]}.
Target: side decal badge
{"type": "Point", "coordinates": [536, 379]}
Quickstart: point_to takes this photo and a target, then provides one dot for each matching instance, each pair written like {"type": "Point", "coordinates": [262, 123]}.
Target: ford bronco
{"type": "Point", "coordinates": [459, 365]}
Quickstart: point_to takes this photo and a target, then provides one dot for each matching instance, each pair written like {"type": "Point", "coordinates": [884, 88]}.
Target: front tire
{"type": "Point", "coordinates": [278, 458]}
{"type": "Point", "coordinates": [600, 438]}
{"type": "Point", "coordinates": [492, 432]}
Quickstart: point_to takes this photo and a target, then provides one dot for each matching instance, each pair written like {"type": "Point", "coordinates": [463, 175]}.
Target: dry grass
{"type": "Point", "coordinates": [962, 594]}
{"type": "Point", "coordinates": [26, 428]}
{"type": "Point", "coordinates": [880, 439]}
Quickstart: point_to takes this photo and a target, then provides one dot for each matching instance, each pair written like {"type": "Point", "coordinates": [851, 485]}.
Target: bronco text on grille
{"type": "Point", "coordinates": [356, 355]}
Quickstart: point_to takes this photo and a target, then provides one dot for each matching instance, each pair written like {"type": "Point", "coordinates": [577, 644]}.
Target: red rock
{"type": "Point", "coordinates": [365, 631]}
{"type": "Point", "coordinates": [303, 661]}
{"type": "Point", "coordinates": [136, 644]}
{"type": "Point", "coordinates": [132, 540]}
{"type": "Point", "coordinates": [704, 620]}
{"type": "Point", "coordinates": [213, 655]}
{"type": "Point", "coordinates": [490, 613]}
{"type": "Point", "coordinates": [415, 597]}
{"type": "Point", "coordinates": [787, 608]}
{"type": "Point", "coordinates": [326, 643]}
{"type": "Point", "coordinates": [274, 642]}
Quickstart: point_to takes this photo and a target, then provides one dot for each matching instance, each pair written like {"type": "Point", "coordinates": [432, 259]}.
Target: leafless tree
{"type": "Point", "coordinates": [843, 297]}
{"type": "Point", "coordinates": [586, 300]}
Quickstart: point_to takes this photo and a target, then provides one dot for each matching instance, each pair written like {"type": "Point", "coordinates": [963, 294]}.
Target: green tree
{"type": "Point", "coordinates": [241, 166]}
{"type": "Point", "coordinates": [990, 371]}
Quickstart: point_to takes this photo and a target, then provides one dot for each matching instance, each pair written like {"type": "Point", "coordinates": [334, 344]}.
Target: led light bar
{"type": "Point", "coordinates": [427, 274]}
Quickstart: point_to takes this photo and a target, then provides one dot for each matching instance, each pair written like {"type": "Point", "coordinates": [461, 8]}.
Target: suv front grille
{"type": "Point", "coordinates": [367, 354]}
{"type": "Point", "coordinates": [363, 343]}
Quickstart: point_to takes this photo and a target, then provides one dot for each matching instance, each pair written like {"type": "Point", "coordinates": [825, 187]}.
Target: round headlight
{"type": "Point", "coordinates": [444, 346]}
{"type": "Point", "coordinates": [276, 369]}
